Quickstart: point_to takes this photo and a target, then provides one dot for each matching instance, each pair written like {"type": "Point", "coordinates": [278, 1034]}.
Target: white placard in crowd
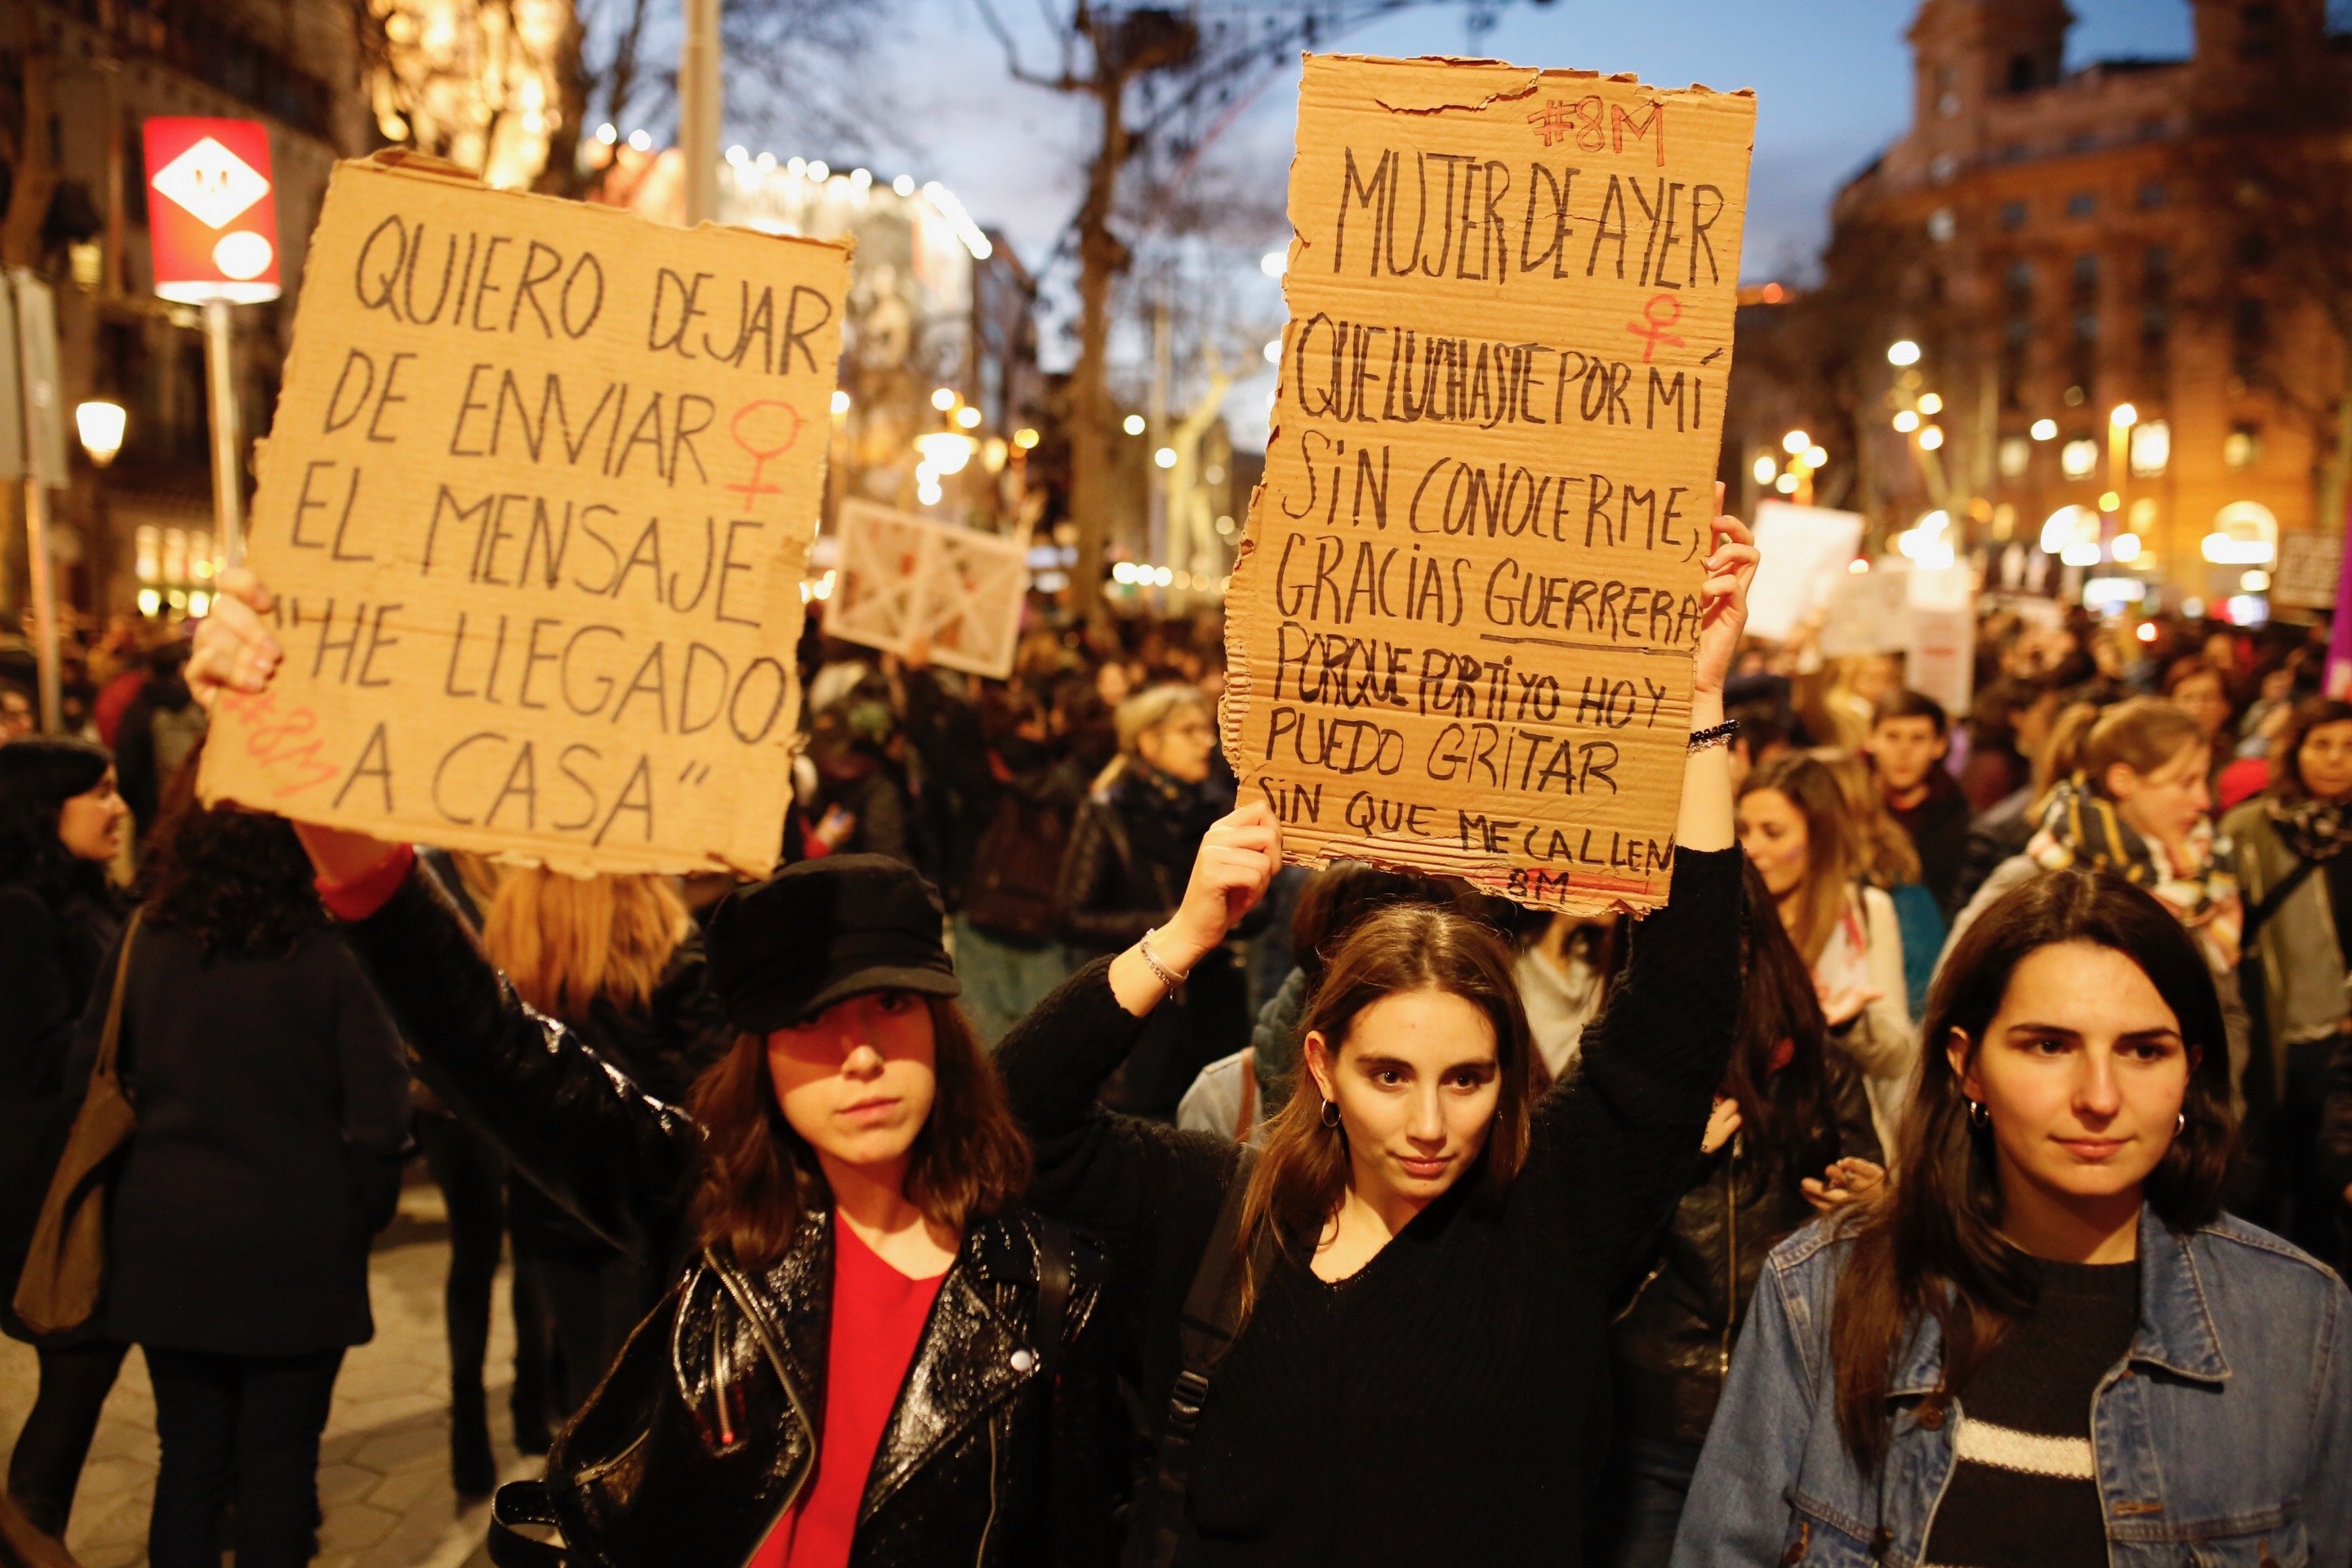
{"type": "Point", "coordinates": [1867, 610]}
{"type": "Point", "coordinates": [907, 583]}
{"type": "Point", "coordinates": [2307, 566]}
{"type": "Point", "coordinates": [1805, 549]}
{"type": "Point", "coordinates": [1940, 635]}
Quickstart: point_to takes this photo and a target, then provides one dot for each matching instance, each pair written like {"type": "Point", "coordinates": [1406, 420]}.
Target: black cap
{"type": "Point", "coordinates": [821, 929]}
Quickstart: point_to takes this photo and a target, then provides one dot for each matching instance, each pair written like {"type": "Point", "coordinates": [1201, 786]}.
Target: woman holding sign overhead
{"type": "Point", "coordinates": [1384, 1338]}
{"type": "Point", "coordinates": [869, 1349]}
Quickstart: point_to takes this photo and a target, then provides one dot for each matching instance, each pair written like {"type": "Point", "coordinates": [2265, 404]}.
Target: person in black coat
{"type": "Point", "coordinates": [1123, 873]}
{"type": "Point", "coordinates": [615, 959]}
{"type": "Point", "coordinates": [272, 1113]}
{"type": "Point", "coordinates": [61, 824]}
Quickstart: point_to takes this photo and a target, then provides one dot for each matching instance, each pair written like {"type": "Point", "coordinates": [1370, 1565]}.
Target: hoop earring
{"type": "Point", "coordinates": [1978, 1117]}
{"type": "Point", "coordinates": [2180, 1124]}
{"type": "Point", "coordinates": [1330, 1113]}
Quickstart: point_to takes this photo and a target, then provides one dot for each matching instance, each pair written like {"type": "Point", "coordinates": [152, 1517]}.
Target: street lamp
{"type": "Point", "coordinates": [1902, 354]}
{"type": "Point", "coordinates": [1796, 442]}
{"type": "Point", "coordinates": [101, 425]}
{"type": "Point", "coordinates": [2120, 420]}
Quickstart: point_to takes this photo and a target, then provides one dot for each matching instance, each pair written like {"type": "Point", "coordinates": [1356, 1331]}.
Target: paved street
{"type": "Point", "coordinates": [384, 1478]}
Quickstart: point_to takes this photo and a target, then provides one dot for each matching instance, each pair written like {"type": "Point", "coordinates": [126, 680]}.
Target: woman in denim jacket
{"type": "Point", "coordinates": [2046, 1345]}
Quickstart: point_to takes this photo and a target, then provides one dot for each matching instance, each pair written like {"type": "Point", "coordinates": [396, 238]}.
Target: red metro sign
{"type": "Point", "coordinates": [211, 211]}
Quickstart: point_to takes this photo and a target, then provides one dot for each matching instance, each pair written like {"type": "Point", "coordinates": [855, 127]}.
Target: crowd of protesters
{"type": "Point", "coordinates": [1034, 1170]}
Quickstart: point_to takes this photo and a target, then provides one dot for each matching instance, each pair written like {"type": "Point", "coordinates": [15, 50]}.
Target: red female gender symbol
{"type": "Point", "coordinates": [1657, 331]}
{"type": "Point", "coordinates": [752, 488]}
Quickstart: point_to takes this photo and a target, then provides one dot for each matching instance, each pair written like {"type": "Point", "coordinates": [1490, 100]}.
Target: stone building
{"type": "Point", "coordinates": [2113, 309]}
{"type": "Point", "coordinates": [105, 67]}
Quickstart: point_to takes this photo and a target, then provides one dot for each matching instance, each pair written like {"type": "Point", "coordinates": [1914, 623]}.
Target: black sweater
{"type": "Point", "coordinates": [1449, 1402]}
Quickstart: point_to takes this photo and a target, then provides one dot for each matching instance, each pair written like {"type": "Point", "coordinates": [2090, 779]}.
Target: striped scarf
{"type": "Point", "coordinates": [2082, 831]}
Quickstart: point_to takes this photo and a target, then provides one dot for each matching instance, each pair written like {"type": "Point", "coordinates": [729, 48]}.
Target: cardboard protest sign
{"type": "Point", "coordinates": [2307, 566]}
{"type": "Point", "coordinates": [1806, 550]}
{"type": "Point", "coordinates": [907, 582]}
{"type": "Point", "coordinates": [535, 507]}
{"type": "Point", "coordinates": [1458, 638]}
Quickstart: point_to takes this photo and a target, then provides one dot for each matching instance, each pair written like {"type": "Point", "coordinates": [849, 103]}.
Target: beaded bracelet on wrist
{"type": "Point", "coordinates": [1713, 735]}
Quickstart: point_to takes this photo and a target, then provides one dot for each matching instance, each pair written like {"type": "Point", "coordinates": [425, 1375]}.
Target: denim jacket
{"type": "Point", "coordinates": [2223, 1440]}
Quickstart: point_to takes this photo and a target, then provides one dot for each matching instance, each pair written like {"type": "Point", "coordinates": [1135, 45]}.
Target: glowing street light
{"type": "Point", "coordinates": [1901, 352]}
{"type": "Point", "coordinates": [1795, 442]}
{"type": "Point", "coordinates": [1906, 422]}
{"type": "Point", "coordinates": [1132, 424]}
{"type": "Point", "coordinates": [1930, 438]}
{"type": "Point", "coordinates": [841, 403]}
{"type": "Point", "coordinates": [1274, 263]}
{"type": "Point", "coordinates": [2124, 417]}
{"type": "Point", "coordinates": [968, 416]}
{"type": "Point", "coordinates": [943, 398]}
{"type": "Point", "coordinates": [1165, 457]}
{"type": "Point", "coordinates": [1766, 470]}
{"type": "Point", "coordinates": [1274, 350]}
{"type": "Point", "coordinates": [2045, 430]}
{"type": "Point", "coordinates": [1024, 438]}
{"type": "Point", "coordinates": [101, 425]}
{"type": "Point", "coordinates": [1931, 402]}
{"type": "Point", "coordinates": [1817, 457]}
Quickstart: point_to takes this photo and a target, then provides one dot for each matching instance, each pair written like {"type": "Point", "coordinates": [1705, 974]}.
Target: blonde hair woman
{"type": "Point", "coordinates": [1131, 853]}
{"type": "Point", "coordinates": [613, 958]}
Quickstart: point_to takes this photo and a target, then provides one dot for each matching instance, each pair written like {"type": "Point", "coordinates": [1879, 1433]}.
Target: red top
{"type": "Point", "coordinates": [878, 1316]}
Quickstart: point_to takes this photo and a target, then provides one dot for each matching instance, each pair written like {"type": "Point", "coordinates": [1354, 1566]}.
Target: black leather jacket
{"type": "Point", "coordinates": [1671, 1345]}
{"type": "Point", "coordinates": [706, 1429]}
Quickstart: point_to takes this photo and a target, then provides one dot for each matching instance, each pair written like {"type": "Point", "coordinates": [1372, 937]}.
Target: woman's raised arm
{"type": "Point", "coordinates": [613, 1155]}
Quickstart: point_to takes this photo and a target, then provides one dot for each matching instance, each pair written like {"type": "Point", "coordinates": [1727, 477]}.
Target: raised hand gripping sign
{"type": "Point", "coordinates": [536, 506]}
{"type": "Point", "coordinates": [1459, 636]}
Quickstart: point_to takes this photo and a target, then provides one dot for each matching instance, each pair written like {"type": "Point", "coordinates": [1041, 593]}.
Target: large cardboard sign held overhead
{"type": "Point", "coordinates": [1459, 636]}
{"type": "Point", "coordinates": [536, 506]}
{"type": "Point", "coordinates": [906, 583]}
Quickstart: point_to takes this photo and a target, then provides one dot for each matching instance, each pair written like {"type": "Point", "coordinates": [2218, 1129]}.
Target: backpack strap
{"type": "Point", "coordinates": [2282, 891]}
{"type": "Point", "coordinates": [1206, 1331]}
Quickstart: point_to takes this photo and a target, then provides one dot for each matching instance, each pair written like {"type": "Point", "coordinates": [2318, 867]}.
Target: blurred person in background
{"type": "Point", "coordinates": [156, 732]}
{"type": "Point", "coordinates": [1910, 735]}
{"type": "Point", "coordinates": [1794, 826]}
{"type": "Point", "coordinates": [20, 716]}
{"type": "Point", "coordinates": [1564, 967]}
{"type": "Point", "coordinates": [2297, 881]}
{"type": "Point", "coordinates": [273, 1111]}
{"type": "Point", "coordinates": [1791, 1138]}
{"type": "Point", "coordinates": [62, 822]}
{"type": "Point", "coordinates": [2137, 804]}
{"type": "Point", "coordinates": [615, 960]}
{"type": "Point", "coordinates": [1131, 852]}
{"type": "Point", "coordinates": [2007, 726]}
{"type": "Point", "coordinates": [1013, 792]}
{"type": "Point", "coordinates": [863, 805]}
{"type": "Point", "coordinates": [1996, 834]}
{"type": "Point", "coordinates": [2199, 689]}
{"type": "Point", "coordinates": [1884, 858]}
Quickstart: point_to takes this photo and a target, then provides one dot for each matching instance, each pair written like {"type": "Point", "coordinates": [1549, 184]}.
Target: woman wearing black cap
{"type": "Point", "coordinates": [872, 1352]}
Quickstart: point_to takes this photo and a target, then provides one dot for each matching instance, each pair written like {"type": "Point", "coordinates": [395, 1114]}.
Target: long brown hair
{"type": "Point", "coordinates": [756, 1177]}
{"type": "Point", "coordinates": [1883, 851]}
{"type": "Point", "coordinates": [1780, 1107]}
{"type": "Point", "coordinates": [1830, 858]}
{"type": "Point", "coordinates": [2288, 785]}
{"type": "Point", "coordinates": [1933, 1246]}
{"type": "Point", "coordinates": [1303, 1174]}
{"type": "Point", "coordinates": [236, 882]}
{"type": "Point", "coordinates": [568, 943]}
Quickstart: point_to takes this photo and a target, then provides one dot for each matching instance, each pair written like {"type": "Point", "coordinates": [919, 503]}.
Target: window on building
{"type": "Point", "coordinates": [2021, 73]}
{"type": "Point", "coordinates": [1942, 225]}
{"type": "Point", "coordinates": [2081, 141]}
{"type": "Point", "coordinates": [2082, 203]}
{"type": "Point", "coordinates": [2086, 326]}
{"type": "Point", "coordinates": [2012, 152]}
{"type": "Point", "coordinates": [2250, 332]}
{"type": "Point", "coordinates": [1943, 167]}
{"type": "Point", "coordinates": [2152, 130]}
{"type": "Point", "coordinates": [2020, 280]}
{"type": "Point", "coordinates": [2153, 193]}
{"type": "Point", "coordinates": [2156, 270]}
{"type": "Point", "coordinates": [2013, 215]}
{"type": "Point", "coordinates": [2253, 250]}
{"type": "Point", "coordinates": [2151, 448]}
{"type": "Point", "coordinates": [2087, 276]}
{"type": "Point", "coordinates": [2242, 447]}
{"type": "Point", "coordinates": [2079, 456]}
{"type": "Point", "coordinates": [2258, 34]}
{"type": "Point", "coordinates": [2014, 456]}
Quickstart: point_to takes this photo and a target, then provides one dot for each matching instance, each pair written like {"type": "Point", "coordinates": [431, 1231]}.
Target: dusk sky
{"type": "Point", "coordinates": [1831, 79]}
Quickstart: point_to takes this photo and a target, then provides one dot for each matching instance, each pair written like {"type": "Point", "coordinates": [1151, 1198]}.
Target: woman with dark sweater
{"type": "Point", "coordinates": [273, 1109]}
{"type": "Point", "coordinates": [1420, 1371]}
{"type": "Point", "coordinates": [61, 823]}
